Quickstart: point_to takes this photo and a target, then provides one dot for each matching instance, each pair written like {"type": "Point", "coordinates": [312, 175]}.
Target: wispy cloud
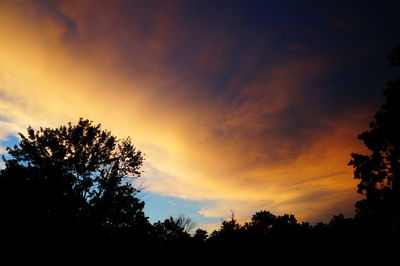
{"type": "Point", "coordinates": [242, 123]}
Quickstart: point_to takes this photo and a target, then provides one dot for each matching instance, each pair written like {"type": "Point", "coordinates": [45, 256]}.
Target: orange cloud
{"type": "Point", "coordinates": [260, 145]}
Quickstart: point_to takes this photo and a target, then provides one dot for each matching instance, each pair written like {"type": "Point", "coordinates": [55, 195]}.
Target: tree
{"type": "Point", "coordinates": [71, 183]}
{"type": "Point", "coordinates": [200, 235]}
{"type": "Point", "coordinates": [261, 222]}
{"type": "Point", "coordinates": [379, 172]}
{"type": "Point", "coordinates": [228, 231]}
{"type": "Point", "coordinates": [174, 228]}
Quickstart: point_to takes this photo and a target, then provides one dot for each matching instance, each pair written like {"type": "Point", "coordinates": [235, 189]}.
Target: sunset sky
{"type": "Point", "coordinates": [238, 105]}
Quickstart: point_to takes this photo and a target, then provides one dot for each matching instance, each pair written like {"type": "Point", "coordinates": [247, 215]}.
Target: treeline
{"type": "Point", "coordinates": [67, 193]}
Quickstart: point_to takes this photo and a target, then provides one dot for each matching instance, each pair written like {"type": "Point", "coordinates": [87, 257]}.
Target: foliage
{"type": "Point", "coordinates": [379, 172]}
{"type": "Point", "coordinates": [174, 228]}
{"type": "Point", "coordinates": [70, 183]}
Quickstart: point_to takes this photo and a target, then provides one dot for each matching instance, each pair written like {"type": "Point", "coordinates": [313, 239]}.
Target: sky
{"type": "Point", "coordinates": [239, 106]}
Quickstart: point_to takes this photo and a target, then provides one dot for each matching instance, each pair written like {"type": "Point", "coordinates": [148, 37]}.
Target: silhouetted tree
{"type": "Point", "coordinates": [379, 172]}
{"type": "Point", "coordinates": [261, 222]}
{"type": "Point", "coordinates": [174, 228]}
{"type": "Point", "coordinates": [200, 235]}
{"type": "Point", "coordinates": [72, 183]}
{"type": "Point", "coordinates": [229, 229]}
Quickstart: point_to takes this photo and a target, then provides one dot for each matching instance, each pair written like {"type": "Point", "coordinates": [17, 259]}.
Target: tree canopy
{"type": "Point", "coordinates": [71, 183]}
{"type": "Point", "coordinates": [379, 171]}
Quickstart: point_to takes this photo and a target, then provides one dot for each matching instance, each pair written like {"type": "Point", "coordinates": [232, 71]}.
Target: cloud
{"type": "Point", "coordinates": [216, 121]}
{"type": "Point", "coordinates": [3, 150]}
